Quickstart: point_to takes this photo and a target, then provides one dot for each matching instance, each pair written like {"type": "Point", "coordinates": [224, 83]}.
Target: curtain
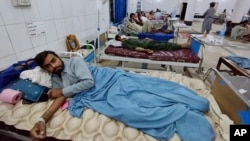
{"type": "Point", "coordinates": [120, 10]}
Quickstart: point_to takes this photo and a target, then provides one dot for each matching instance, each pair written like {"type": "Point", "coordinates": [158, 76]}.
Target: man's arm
{"type": "Point", "coordinates": [82, 75]}
{"type": "Point", "coordinates": [205, 13]}
{"type": "Point", "coordinates": [147, 39]}
{"type": "Point", "coordinates": [39, 129]}
{"type": "Point", "coordinates": [53, 108]}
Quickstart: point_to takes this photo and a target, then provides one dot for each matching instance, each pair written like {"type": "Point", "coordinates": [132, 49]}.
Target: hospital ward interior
{"type": "Point", "coordinates": [125, 70]}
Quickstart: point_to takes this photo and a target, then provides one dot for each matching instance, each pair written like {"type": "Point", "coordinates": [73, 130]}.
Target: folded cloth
{"type": "Point", "coordinates": [37, 75]}
{"type": "Point", "coordinates": [241, 61]}
{"type": "Point", "coordinates": [10, 96]}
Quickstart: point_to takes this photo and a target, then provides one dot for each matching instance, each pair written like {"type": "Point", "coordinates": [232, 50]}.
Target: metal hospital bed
{"type": "Point", "coordinates": [15, 121]}
{"type": "Point", "coordinates": [196, 47]}
{"type": "Point", "coordinates": [87, 54]}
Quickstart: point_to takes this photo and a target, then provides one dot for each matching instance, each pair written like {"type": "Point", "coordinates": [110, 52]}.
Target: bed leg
{"type": "Point", "coordinates": [187, 72]}
{"type": "Point", "coordinates": [169, 68]}
{"type": "Point", "coordinates": [119, 63]}
{"type": "Point", "coordinates": [123, 64]}
{"type": "Point", "coordinates": [144, 66]}
{"type": "Point", "coordinates": [200, 68]}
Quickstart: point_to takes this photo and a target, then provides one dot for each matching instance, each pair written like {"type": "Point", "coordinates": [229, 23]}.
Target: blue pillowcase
{"type": "Point", "coordinates": [31, 91]}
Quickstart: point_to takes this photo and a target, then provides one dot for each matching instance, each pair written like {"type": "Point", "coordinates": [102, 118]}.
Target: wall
{"type": "Point", "coordinates": [169, 5]}
{"type": "Point", "coordinates": [225, 4]}
{"type": "Point", "coordinates": [58, 18]}
{"type": "Point", "coordinates": [163, 5]}
{"type": "Point", "coordinates": [131, 6]}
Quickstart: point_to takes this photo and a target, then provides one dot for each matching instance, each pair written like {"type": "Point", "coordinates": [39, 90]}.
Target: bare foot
{"type": "Point", "coordinates": [189, 40]}
{"type": "Point", "coordinates": [186, 45]}
{"type": "Point", "coordinates": [139, 49]}
{"type": "Point", "coordinates": [149, 51]}
{"type": "Point", "coordinates": [144, 50]}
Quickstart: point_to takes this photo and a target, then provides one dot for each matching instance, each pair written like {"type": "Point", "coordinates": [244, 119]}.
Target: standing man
{"type": "Point", "coordinates": [208, 19]}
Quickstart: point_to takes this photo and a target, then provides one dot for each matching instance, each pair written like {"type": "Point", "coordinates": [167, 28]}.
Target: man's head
{"type": "Point", "coordinates": [132, 16]}
{"type": "Point", "coordinates": [118, 37]}
{"type": "Point", "coordinates": [212, 4]}
{"type": "Point", "coordinates": [49, 61]}
{"type": "Point", "coordinates": [243, 23]}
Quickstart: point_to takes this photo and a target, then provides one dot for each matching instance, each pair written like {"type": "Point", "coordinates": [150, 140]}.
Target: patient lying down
{"type": "Point", "coordinates": [148, 45]}
{"type": "Point", "coordinates": [136, 100]}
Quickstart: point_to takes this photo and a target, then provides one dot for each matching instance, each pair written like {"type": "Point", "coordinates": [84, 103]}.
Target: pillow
{"type": "Point", "coordinates": [31, 91]}
{"type": "Point", "coordinates": [12, 72]}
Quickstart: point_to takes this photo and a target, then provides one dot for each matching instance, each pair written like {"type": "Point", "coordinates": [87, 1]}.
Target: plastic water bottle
{"type": "Point", "coordinates": [87, 45]}
{"type": "Point", "coordinates": [222, 34]}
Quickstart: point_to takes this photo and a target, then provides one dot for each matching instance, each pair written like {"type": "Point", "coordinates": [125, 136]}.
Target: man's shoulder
{"type": "Point", "coordinates": [75, 59]}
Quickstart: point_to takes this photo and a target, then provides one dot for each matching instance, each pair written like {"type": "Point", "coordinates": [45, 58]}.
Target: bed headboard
{"type": "Point", "coordinates": [103, 39]}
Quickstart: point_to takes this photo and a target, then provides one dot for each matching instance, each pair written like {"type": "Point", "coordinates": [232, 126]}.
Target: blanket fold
{"type": "Point", "coordinates": [155, 106]}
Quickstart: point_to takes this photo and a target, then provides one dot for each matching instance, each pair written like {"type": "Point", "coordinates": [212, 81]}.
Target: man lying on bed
{"type": "Point", "coordinates": [148, 45]}
{"type": "Point", "coordinates": [155, 106]}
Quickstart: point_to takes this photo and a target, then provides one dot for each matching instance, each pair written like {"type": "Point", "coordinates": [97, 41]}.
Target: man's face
{"type": "Point", "coordinates": [53, 64]}
{"type": "Point", "coordinates": [134, 16]}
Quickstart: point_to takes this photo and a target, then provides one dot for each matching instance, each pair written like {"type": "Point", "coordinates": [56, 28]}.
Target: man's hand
{"type": "Point", "coordinates": [148, 39]}
{"type": "Point", "coordinates": [55, 93]}
{"type": "Point", "coordinates": [38, 132]}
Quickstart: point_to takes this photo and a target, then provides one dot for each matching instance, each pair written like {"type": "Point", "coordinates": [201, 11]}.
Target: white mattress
{"type": "Point", "coordinates": [95, 126]}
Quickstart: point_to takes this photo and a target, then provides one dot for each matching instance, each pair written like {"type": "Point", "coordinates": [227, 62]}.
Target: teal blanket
{"type": "Point", "coordinates": [243, 62]}
{"type": "Point", "coordinates": [155, 106]}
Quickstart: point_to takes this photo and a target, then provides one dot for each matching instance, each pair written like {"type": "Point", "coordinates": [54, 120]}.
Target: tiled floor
{"type": "Point", "coordinates": [211, 54]}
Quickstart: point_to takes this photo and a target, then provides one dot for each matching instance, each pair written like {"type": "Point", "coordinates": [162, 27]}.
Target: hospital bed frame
{"type": "Point", "coordinates": [88, 57]}
{"type": "Point", "coordinates": [12, 131]}
{"type": "Point", "coordinates": [233, 68]}
{"type": "Point", "coordinates": [102, 55]}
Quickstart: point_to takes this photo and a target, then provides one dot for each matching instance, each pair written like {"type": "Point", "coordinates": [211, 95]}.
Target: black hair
{"type": "Point", "coordinates": [117, 37]}
{"type": "Point", "coordinates": [245, 21]}
{"type": "Point", "coordinates": [131, 15]}
{"type": "Point", "coordinates": [40, 57]}
{"type": "Point", "coordinates": [212, 4]}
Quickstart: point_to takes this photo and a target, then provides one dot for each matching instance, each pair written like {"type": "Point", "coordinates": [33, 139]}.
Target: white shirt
{"type": "Point", "coordinates": [157, 15]}
{"type": "Point", "coordinates": [144, 19]}
{"type": "Point", "coordinates": [114, 43]}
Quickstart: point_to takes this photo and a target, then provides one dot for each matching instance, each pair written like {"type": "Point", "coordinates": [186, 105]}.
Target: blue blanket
{"type": "Point", "coordinates": [155, 106]}
{"type": "Point", "coordinates": [243, 62]}
{"type": "Point", "coordinates": [164, 37]}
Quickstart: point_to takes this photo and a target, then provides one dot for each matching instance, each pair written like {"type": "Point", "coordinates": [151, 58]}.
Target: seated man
{"type": "Point", "coordinates": [246, 38]}
{"type": "Point", "coordinates": [149, 45]}
{"type": "Point", "coordinates": [157, 14]}
{"type": "Point", "coordinates": [147, 26]}
{"type": "Point", "coordinates": [229, 27]}
{"type": "Point", "coordinates": [239, 30]}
